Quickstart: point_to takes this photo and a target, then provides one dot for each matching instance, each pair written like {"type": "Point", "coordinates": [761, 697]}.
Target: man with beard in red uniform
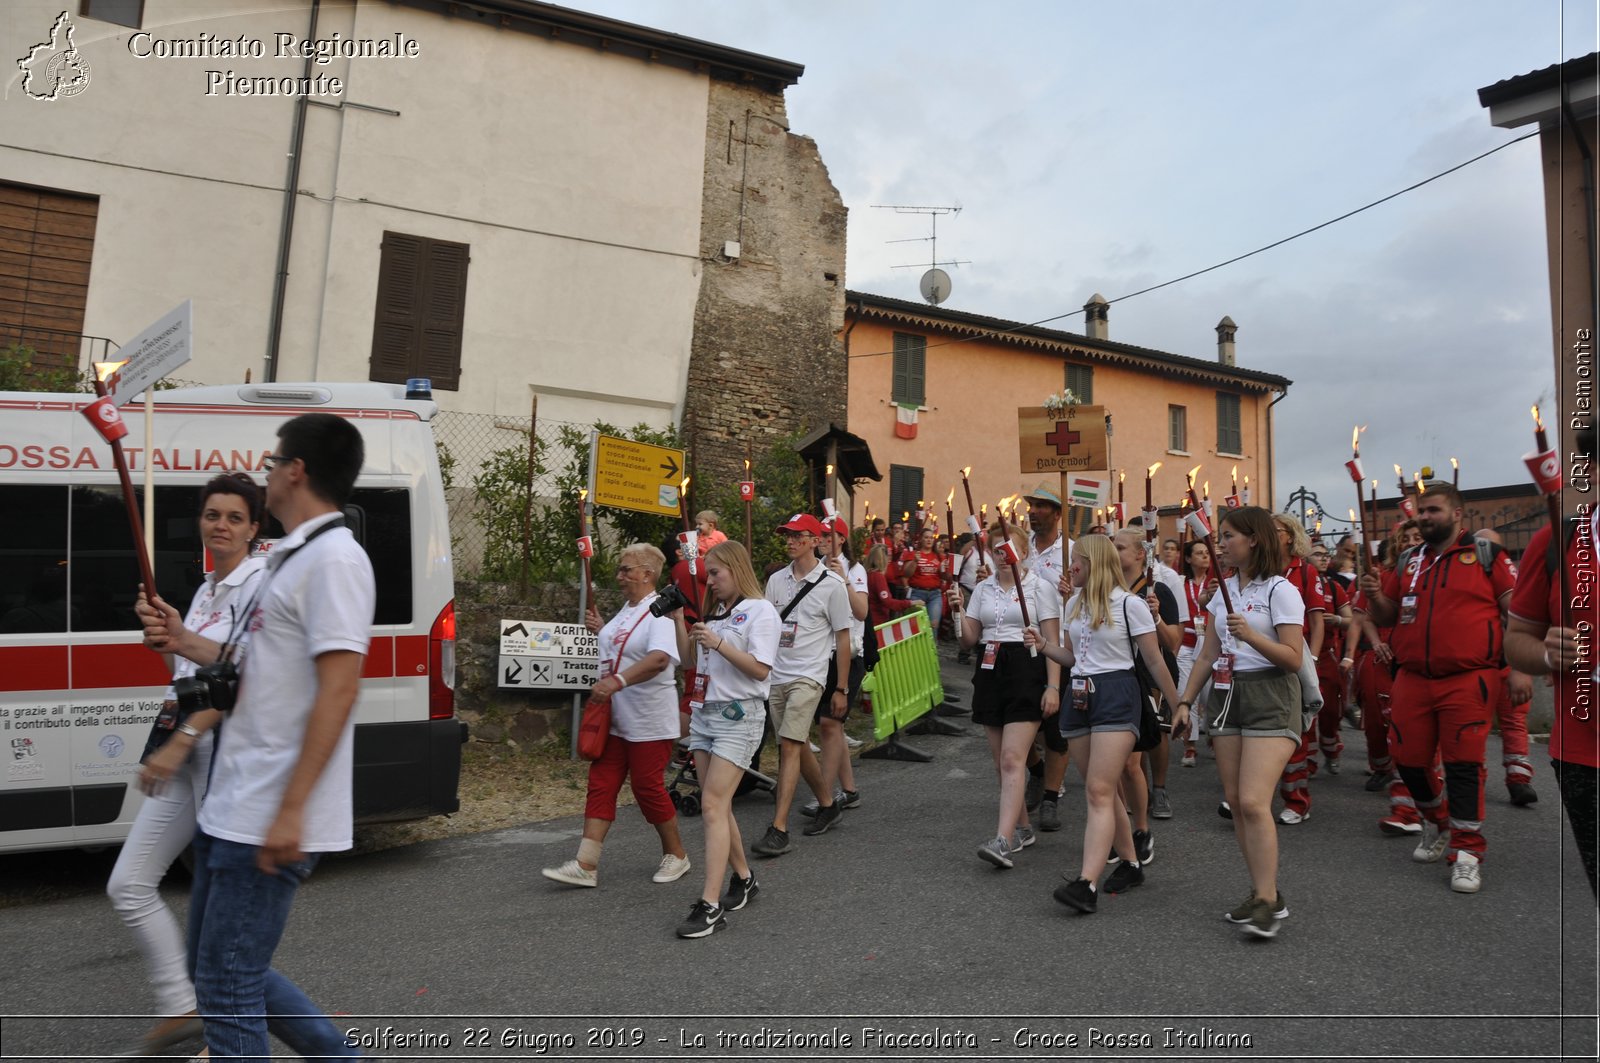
{"type": "Point", "coordinates": [1446, 607]}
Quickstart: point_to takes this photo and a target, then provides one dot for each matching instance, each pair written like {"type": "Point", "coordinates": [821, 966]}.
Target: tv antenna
{"type": "Point", "coordinates": [935, 284]}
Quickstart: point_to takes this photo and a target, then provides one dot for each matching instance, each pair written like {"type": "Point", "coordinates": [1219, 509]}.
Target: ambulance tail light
{"type": "Point", "coordinates": [442, 665]}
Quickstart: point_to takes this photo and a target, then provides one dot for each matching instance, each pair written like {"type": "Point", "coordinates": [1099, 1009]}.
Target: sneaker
{"type": "Point", "coordinates": [847, 798]}
{"type": "Point", "coordinates": [1522, 794]}
{"type": "Point", "coordinates": [1160, 807]}
{"type": "Point", "coordinates": [1144, 846]}
{"type": "Point", "coordinates": [573, 874]}
{"type": "Point", "coordinates": [811, 809]}
{"type": "Point", "coordinates": [1465, 874]}
{"type": "Point", "coordinates": [1077, 894]}
{"type": "Point", "coordinates": [1189, 757]}
{"type": "Point", "coordinates": [773, 843]}
{"type": "Point", "coordinates": [1379, 780]}
{"type": "Point", "coordinates": [996, 852]}
{"type": "Point", "coordinates": [1396, 825]}
{"type": "Point", "coordinates": [1021, 838]}
{"type": "Point", "coordinates": [852, 742]}
{"type": "Point", "coordinates": [704, 920]}
{"type": "Point", "coordinates": [1289, 817]}
{"type": "Point", "coordinates": [740, 890]}
{"type": "Point", "coordinates": [1433, 844]}
{"type": "Point", "coordinates": [1224, 810]}
{"type": "Point", "coordinates": [1124, 878]}
{"type": "Point", "coordinates": [1241, 914]}
{"type": "Point", "coordinates": [826, 817]}
{"type": "Point", "coordinates": [1263, 921]}
{"type": "Point", "coordinates": [672, 868]}
{"type": "Point", "coordinates": [1333, 766]}
{"type": "Point", "coordinates": [815, 749]}
{"type": "Point", "coordinates": [1035, 791]}
{"type": "Point", "coordinates": [1049, 814]}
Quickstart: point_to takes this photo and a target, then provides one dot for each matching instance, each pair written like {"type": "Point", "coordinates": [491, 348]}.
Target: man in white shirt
{"type": "Point", "coordinates": [281, 786]}
{"type": "Point", "coordinates": [814, 612]}
{"type": "Point", "coordinates": [1049, 554]}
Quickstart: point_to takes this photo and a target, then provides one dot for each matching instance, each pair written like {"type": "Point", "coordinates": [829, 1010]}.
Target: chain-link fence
{"type": "Point", "coordinates": [513, 500]}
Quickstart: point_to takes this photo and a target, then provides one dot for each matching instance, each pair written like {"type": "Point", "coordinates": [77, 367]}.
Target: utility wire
{"type": "Point", "coordinates": [1237, 258]}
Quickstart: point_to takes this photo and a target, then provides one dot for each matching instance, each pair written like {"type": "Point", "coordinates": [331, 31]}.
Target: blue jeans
{"type": "Point", "coordinates": [236, 916]}
{"type": "Point", "coordinates": [934, 598]}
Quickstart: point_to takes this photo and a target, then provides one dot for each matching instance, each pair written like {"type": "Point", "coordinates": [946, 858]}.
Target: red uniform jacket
{"type": "Point", "coordinates": [1454, 609]}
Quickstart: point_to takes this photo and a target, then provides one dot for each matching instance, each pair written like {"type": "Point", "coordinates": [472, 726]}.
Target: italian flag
{"type": "Point", "coordinates": [1086, 491]}
{"type": "Point", "coordinates": [905, 421]}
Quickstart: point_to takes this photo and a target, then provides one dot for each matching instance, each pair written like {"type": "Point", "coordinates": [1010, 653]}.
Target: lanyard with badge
{"type": "Point", "coordinates": [991, 647]}
{"type": "Point", "coordinates": [702, 662]}
{"type": "Point", "coordinates": [1222, 670]}
{"type": "Point", "coordinates": [1082, 648]}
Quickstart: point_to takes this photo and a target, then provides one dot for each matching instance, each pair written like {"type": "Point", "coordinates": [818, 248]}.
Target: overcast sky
{"type": "Point", "coordinates": [1105, 147]}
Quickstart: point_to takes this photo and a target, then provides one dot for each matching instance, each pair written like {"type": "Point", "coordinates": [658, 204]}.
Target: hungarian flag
{"type": "Point", "coordinates": [905, 421]}
{"type": "Point", "coordinates": [1087, 491]}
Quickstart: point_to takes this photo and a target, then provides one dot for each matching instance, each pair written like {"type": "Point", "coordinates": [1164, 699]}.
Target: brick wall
{"type": "Point", "coordinates": [767, 360]}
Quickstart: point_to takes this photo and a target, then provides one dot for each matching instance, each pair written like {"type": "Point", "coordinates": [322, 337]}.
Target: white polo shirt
{"type": "Point", "coordinates": [998, 609]}
{"type": "Point", "coordinates": [751, 626]}
{"type": "Point", "coordinates": [1049, 564]}
{"type": "Point", "coordinates": [646, 711]}
{"type": "Point", "coordinates": [1265, 603]}
{"type": "Point", "coordinates": [318, 599]}
{"type": "Point", "coordinates": [806, 638]}
{"type": "Point", "coordinates": [1106, 648]}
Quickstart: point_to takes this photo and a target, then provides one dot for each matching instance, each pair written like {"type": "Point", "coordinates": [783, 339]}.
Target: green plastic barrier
{"type": "Point", "coordinates": [905, 683]}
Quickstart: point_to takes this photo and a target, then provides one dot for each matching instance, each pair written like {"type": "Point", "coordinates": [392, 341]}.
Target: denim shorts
{"type": "Point", "coordinates": [1115, 704]}
{"type": "Point", "coordinates": [735, 741]}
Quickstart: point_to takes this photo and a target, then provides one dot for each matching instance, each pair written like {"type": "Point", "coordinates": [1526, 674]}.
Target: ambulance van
{"type": "Point", "coordinates": [78, 691]}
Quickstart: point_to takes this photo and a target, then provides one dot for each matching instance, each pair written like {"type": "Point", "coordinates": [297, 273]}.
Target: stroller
{"type": "Point", "coordinates": [684, 786]}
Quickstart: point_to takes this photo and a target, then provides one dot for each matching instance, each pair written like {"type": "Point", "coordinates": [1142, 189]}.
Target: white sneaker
{"type": "Point", "coordinates": [1289, 817]}
{"type": "Point", "coordinates": [1465, 875]}
{"type": "Point", "coordinates": [573, 874]}
{"type": "Point", "coordinates": [1433, 844]}
{"type": "Point", "coordinates": [814, 747]}
{"type": "Point", "coordinates": [852, 741]}
{"type": "Point", "coordinates": [672, 868]}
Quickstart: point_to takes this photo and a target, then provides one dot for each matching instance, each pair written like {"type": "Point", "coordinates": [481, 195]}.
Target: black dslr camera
{"type": "Point", "coordinates": [669, 601]}
{"type": "Point", "coordinates": [216, 686]}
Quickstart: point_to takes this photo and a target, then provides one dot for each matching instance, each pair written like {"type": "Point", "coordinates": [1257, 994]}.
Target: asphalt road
{"type": "Point", "coordinates": [888, 938]}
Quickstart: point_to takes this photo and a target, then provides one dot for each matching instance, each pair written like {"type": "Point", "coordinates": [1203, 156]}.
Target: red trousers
{"type": "Point", "coordinates": [1331, 718]}
{"type": "Point", "coordinates": [1373, 685]}
{"type": "Point", "coordinates": [1513, 735]}
{"type": "Point", "coordinates": [644, 765]}
{"type": "Point", "coordinates": [1448, 718]}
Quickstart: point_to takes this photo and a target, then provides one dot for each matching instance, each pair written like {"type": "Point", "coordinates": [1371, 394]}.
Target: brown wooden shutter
{"type": "Point", "coordinates": [422, 297]}
{"type": "Point", "coordinates": [46, 247]}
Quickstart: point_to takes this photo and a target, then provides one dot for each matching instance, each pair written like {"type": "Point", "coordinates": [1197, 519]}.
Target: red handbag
{"type": "Point", "coordinates": [594, 726]}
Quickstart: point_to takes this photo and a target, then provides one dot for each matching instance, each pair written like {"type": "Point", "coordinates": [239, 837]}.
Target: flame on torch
{"type": "Point", "coordinates": [949, 499]}
{"type": "Point", "coordinates": [1537, 424]}
{"type": "Point", "coordinates": [1454, 464]}
{"type": "Point", "coordinates": [1151, 471]}
{"type": "Point", "coordinates": [1191, 474]}
{"type": "Point", "coordinates": [103, 371]}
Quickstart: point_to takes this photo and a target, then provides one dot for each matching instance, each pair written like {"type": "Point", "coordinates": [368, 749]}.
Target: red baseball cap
{"type": "Point", "coordinates": [802, 522]}
{"type": "Point", "coordinates": [838, 527]}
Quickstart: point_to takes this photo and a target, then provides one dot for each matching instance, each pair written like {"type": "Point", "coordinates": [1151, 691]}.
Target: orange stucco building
{"type": "Point", "coordinates": [967, 375]}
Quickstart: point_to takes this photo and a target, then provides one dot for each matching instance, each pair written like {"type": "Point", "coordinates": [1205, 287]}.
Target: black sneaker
{"type": "Point", "coordinates": [1124, 877]}
{"type": "Point", "coordinates": [740, 890]}
{"type": "Point", "coordinates": [847, 798]}
{"type": "Point", "coordinates": [1050, 813]}
{"type": "Point", "coordinates": [1144, 846]}
{"type": "Point", "coordinates": [827, 816]}
{"type": "Point", "coordinates": [1225, 810]}
{"type": "Point", "coordinates": [1379, 780]}
{"type": "Point", "coordinates": [1246, 908]}
{"type": "Point", "coordinates": [1077, 894]}
{"type": "Point", "coordinates": [704, 920]}
{"type": "Point", "coordinates": [1522, 794]}
{"type": "Point", "coordinates": [774, 843]}
{"type": "Point", "coordinates": [1264, 921]}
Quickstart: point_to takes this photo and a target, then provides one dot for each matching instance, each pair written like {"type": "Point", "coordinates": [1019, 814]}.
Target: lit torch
{"type": "Point", "coordinates": [1008, 553]}
{"type": "Point", "coordinates": [1545, 465]}
{"type": "Point", "coordinates": [103, 414]}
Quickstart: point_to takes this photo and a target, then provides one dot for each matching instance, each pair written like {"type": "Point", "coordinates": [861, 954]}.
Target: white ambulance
{"type": "Point", "coordinates": [78, 691]}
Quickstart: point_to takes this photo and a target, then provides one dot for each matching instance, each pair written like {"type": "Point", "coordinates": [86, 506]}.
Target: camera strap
{"type": "Point", "coordinates": [275, 562]}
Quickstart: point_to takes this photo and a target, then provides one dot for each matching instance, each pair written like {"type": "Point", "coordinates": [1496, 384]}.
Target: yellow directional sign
{"type": "Point", "coordinates": [638, 476]}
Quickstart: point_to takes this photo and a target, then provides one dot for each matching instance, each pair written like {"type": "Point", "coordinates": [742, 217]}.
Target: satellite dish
{"type": "Point", "coordinates": [935, 286]}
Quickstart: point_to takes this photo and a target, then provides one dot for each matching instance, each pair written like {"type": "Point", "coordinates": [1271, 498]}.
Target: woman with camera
{"type": "Point", "coordinates": [638, 652]}
{"type": "Point", "coordinates": [177, 761]}
{"type": "Point", "coordinates": [733, 646]}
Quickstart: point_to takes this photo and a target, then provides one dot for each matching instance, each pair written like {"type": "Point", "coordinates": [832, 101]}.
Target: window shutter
{"type": "Point", "coordinates": [909, 384]}
{"type": "Point", "coordinates": [394, 332]}
{"type": "Point", "coordinates": [421, 311]}
{"type": "Point", "coordinates": [1229, 437]}
{"type": "Point", "coordinates": [444, 310]}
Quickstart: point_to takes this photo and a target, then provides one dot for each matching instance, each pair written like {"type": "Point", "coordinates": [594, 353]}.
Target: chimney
{"type": "Point", "coordinates": [1094, 318]}
{"type": "Point", "coordinates": [1225, 330]}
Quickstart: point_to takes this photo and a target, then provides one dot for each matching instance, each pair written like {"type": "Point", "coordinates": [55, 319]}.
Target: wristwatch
{"type": "Point", "coordinates": [187, 729]}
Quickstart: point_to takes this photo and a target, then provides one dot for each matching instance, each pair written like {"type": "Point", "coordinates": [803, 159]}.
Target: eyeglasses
{"type": "Point", "coordinates": [272, 461]}
{"type": "Point", "coordinates": [628, 568]}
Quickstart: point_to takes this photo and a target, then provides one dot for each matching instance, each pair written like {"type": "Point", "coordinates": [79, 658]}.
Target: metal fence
{"type": "Point", "coordinates": [513, 501]}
